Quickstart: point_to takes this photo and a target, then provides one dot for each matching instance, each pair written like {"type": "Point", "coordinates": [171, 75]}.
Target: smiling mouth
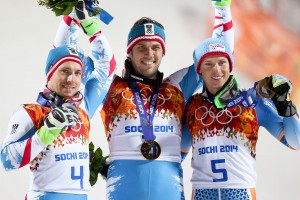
{"type": "Point", "coordinates": [217, 77]}
{"type": "Point", "coordinates": [68, 87]}
{"type": "Point", "coordinates": [148, 62]}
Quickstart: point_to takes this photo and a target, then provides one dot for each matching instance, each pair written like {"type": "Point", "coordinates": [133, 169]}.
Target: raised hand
{"type": "Point", "coordinates": [58, 120]}
{"type": "Point", "coordinates": [221, 2]}
{"type": "Point", "coordinates": [62, 117]}
{"type": "Point", "coordinates": [79, 10]}
{"type": "Point", "coordinates": [89, 24]}
{"type": "Point", "coordinates": [282, 88]}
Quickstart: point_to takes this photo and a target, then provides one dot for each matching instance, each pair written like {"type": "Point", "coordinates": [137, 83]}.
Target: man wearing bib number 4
{"type": "Point", "coordinates": [51, 136]}
{"type": "Point", "coordinates": [222, 125]}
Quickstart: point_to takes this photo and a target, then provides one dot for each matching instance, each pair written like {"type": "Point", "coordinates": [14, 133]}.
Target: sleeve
{"type": "Point", "coordinates": [223, 26]}
{"type": "Point", "coordinates": [67, 32]}
{"type": "Point", "coordinates": [98, 71]}
{"type": "Point", "coordinates": [284, 129]}
{"type": "Point", "coordinates": [99, 81]}
{"type": "Point", "coordinates": [20, 145]}
{"type": "Point", "coordinates": [186, 140]}
{"type": "Point", "coordinates": [187, 79]}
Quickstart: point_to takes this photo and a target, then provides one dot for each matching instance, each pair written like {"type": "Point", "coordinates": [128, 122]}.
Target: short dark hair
{"type": "Point", "coordinates": [145, 20]}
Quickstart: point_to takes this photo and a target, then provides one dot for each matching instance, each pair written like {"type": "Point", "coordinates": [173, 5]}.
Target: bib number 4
{"type": "Point", "coordinates": [75, 176]}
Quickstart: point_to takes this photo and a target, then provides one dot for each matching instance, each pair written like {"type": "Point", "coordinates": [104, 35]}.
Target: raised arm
{"type": "Point", "coordinates": [189, 80]}
{"type": "Point", "coordinates": [223, 26]}
{"type": "Point", "coordinates": [99, 81]}
{"type": "Point", "coordinates": [278, 114]}
{"type": "Point", "coordinates": [284, 129]}
{"type": "Point", "coordinates": [98, 70]}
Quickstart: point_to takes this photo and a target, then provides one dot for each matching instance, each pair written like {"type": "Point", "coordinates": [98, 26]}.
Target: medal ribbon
{"type": "Point", "coordinates": [146, 122]}
{"type": "Point", "coordinates": [245, 99]}
{"type": "Point", "coordinates": [51, 99]}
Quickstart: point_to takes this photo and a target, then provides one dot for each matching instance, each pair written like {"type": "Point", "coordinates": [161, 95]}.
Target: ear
{"type": "Point", "coordinates": [200, 71]}
{"type": "Point", "coordinates": [130, 55]}
{"type": "Point", "coordinates": [50, 85]}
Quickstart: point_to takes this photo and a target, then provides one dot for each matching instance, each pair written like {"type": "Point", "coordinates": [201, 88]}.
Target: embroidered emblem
{"type": "Point", "coordinates": [149, 29]}
{"type": "Point", "coordinates": [14, 128]}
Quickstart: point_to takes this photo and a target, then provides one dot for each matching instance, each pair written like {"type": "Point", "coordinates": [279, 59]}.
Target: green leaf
{"type": "Point", "coordinates": [57, 11]}
{"type": "Point", "coordinates": [96, 163]}
{"type": "Point", "coordinates": [91, 146]}
{"type": "Point", "coordinates": [96, 160]}
{"type": "Point", "coordinates": [92, 174]}
{"type": "Point", "coordinates": [98, 153]}
{"type": "Point", "coordinates": [93, 180]}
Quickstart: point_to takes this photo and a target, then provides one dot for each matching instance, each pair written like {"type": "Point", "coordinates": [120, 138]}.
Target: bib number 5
{"type": "Point", "coordinates": [215, 168]}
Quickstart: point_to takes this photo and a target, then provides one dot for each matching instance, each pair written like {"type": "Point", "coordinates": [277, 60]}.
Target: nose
{"type": "Point", "coordinates": [70, 77]}
{"type": "Point", "coordinates": [149, 51]}
{"type": "Point", "coordinates": [217, 67]}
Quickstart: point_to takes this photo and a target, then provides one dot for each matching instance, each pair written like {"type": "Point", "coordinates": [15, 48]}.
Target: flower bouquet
{"type": "Point", "coordinates": [98, 164]}
{"type": "Point", "coordinates": [59, 7]}
{"type": "Point", "coordinates": [65, 7]}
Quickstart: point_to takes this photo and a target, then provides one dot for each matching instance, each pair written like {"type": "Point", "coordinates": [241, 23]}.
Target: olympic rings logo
{"type": "Point", "coordinates": [162, 96]}
{"type": "Point", "coordinates": [78, 126]}
{"type": "Point", "coordinates": [203, 113]}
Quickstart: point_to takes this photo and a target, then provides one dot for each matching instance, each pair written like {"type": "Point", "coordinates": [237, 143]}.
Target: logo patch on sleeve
{"type": "Point", "coordinates": [14, 128]}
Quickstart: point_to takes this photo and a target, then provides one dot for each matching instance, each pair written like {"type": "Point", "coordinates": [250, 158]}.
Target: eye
{"type": "Point", "coordinates": [208, 64]}
{"type": "Point", "coordinates": [157, 47]}
{"type": "Point", "coordinates": [222, 62]}
{"type": "Point", "coordinates": [78, 73]}
{"type": "Point", "coordinates": [65, 71]}
{"type": "Point", "coordinates": [140, 47]}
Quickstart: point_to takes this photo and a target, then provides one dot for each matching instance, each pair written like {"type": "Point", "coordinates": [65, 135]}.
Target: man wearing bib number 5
{"type": "Point", "coordinates": [222, 125]}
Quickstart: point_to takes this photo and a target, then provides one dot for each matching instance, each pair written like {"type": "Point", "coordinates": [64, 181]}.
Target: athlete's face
{"type": "Point", "coordinates": [215, 72]}
{"type": "Point", "coordinates": [146, 57]}
{"type": "Point", "coordinates": [66, 80]}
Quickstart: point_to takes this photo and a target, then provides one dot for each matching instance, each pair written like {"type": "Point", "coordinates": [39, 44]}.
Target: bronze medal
{"type": "Point", "coordinates": [150, 150]}
{"type": "Point", "coordinates": [263, 89]}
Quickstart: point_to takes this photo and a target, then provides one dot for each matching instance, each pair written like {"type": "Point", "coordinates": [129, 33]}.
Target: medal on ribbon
{"type": "Point", "coordinates": [264, 90]}
{"type": "Point", "coordinates": [150, 150]}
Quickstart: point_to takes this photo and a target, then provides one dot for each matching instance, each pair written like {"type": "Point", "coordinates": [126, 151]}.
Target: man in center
{"type": "Point", "coordinates": [143, 114]}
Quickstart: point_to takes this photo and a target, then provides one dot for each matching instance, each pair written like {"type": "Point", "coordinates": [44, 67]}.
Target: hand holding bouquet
{"type": "Point", "coordinates": [59, 7]}
{"type": "Point", "coordinates": [65, 7]}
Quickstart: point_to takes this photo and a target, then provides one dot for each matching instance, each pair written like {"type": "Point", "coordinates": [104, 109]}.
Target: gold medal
{"type": "Point", "coordinates": [263, 89]}
{"type": "Point", "coordinates": [150, 150]}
